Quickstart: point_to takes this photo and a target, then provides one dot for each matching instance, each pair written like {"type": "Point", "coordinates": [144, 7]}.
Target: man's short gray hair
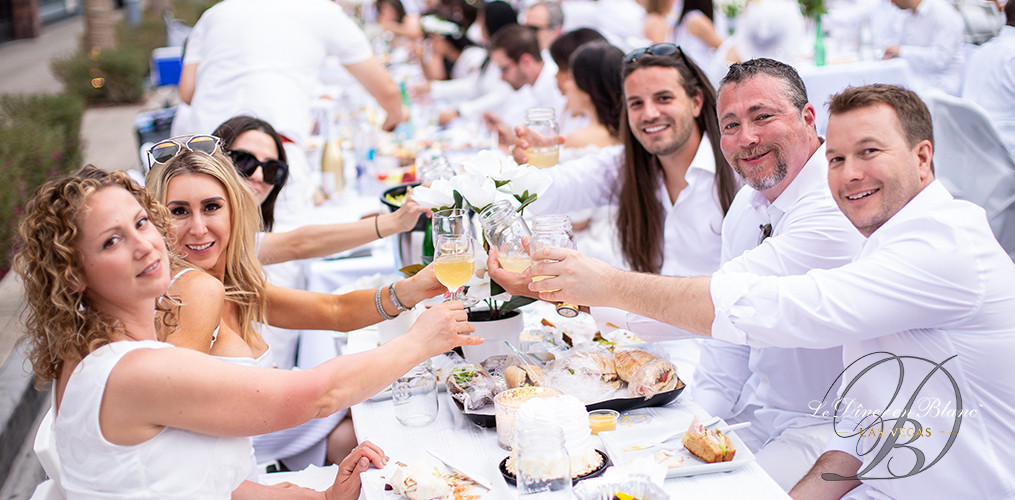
{"type": "Point", "coordinates": [796, 92]}
{"type": "Point", "coordinates": [556, 16]}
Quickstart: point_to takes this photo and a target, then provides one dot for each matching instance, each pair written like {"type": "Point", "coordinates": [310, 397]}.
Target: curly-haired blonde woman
{"type": "Point", "coordinates": [153, 420]}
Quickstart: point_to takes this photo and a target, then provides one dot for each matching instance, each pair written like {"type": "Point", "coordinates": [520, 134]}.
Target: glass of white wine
{"type": "Point", "coordinates": [454, 262]}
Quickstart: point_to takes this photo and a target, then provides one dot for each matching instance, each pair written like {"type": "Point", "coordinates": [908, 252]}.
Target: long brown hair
{"type": "Point", "coordinates": [640, 213]}
{"type": "Point", "coordinates": [60, 325]}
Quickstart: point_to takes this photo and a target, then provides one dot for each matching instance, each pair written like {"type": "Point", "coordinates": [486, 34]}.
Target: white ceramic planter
{"type": "Point", "coordinates": [495, 333]}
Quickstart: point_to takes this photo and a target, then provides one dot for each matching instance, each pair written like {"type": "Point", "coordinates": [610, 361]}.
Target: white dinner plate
{"type": "Point", "coordinates": [617, 441]}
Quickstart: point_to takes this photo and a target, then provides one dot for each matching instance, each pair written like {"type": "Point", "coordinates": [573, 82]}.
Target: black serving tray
{"type": "Point", "coordinates": [510, 478]}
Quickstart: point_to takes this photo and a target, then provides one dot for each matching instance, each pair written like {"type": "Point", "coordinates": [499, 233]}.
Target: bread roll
{"type": "Point", "coordinates": [629, 360]}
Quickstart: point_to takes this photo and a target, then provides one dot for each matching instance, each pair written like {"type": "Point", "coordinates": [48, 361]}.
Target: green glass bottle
{"type": "Point", "coordinates": [819, 43]}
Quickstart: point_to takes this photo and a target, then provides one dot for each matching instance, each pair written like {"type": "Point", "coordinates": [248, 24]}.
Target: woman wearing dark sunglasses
{"type": "Point", "coordinates": [256, 150]}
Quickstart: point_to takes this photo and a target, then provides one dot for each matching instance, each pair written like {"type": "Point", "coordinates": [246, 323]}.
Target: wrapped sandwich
{"type": "Point", "coordinates": [523, 376]}
{"type": "Point", "coordinates": [710, 445]}
{"type": "Point", "coordinates": [472, 386]}
{"type": "Point", "coordinates": [596, 364]}
{"type": "Point", "coordinates": [645, 373]}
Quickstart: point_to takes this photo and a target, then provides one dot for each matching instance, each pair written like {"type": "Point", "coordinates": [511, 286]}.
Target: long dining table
{"type": "Point", "coordinates": [454, 436]}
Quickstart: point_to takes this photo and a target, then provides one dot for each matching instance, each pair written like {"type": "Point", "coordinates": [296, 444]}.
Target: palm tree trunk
{"type": "Point", "coordinates": [100, 31]}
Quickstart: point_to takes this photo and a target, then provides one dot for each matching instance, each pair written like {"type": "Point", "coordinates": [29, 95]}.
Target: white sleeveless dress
{"type": "Point", "coordinates": [173, 464]}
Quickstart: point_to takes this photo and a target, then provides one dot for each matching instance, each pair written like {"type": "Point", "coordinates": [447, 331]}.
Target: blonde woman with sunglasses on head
{"type": "Point", "coordinates": [212, 223]}
{"type": "Point", "coordinates": [156, 421]}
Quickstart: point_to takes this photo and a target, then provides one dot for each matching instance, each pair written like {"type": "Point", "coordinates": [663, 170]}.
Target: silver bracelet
{"type": "Point", "coordinates": [380, 308]}
{"type": "Point", "coordinates": [398, 303]}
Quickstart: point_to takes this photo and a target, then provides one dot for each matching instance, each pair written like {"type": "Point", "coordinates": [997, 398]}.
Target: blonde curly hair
{"type": "Point", "coordinates": [60, 325]}
{"type": "Point", "coordinates": [244, 279]}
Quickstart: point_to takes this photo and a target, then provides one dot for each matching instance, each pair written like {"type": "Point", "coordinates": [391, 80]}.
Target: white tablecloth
{"type": "Point", "coordinates": [824, 81]}
{"type": "Point", "coordinates": [454, 436]}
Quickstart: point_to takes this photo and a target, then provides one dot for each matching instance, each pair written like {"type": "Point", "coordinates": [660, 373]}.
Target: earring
{"type": "Point", "coordinates": [81, 306]}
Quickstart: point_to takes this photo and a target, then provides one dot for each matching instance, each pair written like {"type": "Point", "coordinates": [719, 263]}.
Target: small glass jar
{"type": "Point", "coordinates": [504, 230]}
{"type": "Point", "coordinates": [435, 169]}
{"type": "Point", "coordinates": [553, 231]}
{"type": "Point", "coordinates": [414, 396]}
{"type": "Point", "coordinates": [543, 149]}
{"type": "Point", "coordinates": [542, 465]}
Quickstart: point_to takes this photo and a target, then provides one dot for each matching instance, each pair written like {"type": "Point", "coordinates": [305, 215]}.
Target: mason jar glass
{"type": "Point", "coordinates": [414, 396]}
{"type": "Point", "coordinates": [504, 229]}
{"type": "Point", "coordinates": [543, 149]}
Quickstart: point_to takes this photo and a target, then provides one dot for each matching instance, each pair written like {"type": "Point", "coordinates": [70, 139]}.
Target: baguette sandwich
{"type": "Point", "coordinates": [710, 445]}
{"type": "Point", "coordinates": [523, 376]}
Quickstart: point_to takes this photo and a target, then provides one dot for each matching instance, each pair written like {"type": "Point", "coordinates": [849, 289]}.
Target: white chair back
{"type": "Point", "coordinates": [45, 450]}
{"type": "Point", "coordinates": [972, 161]}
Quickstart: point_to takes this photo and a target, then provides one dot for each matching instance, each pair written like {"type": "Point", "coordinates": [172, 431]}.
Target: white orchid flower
{"type": "Point", "coordinates": [530, 182]}
{"type": "Point", "coordinates": [493, 165]}
{"type": "Point", "coordinates": [478, 190]}
{"type": "Point", "coordinates": [439, 195]}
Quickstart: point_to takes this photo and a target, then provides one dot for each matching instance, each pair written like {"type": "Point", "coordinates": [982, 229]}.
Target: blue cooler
{"type": "Point", "coordinates": [167, 63]}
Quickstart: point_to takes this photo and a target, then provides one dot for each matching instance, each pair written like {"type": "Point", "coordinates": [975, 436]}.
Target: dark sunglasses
{"type": "Point", "coordinates": [274, 172]}
{"type": "Point", "coordinates": [659, 49]}
{"type": "Point", "coordinates": [168, 149]}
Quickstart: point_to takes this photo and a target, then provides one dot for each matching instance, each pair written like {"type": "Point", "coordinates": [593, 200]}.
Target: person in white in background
{"type": "Point", "coordinates": [929, 38]}
{"type": "Point", "coordinates": [990, 79]}
{"type": "Point", "coordinates": [515, 50]}
{"type": "Point", "coordinates": [696, 34]}
{"type": "Point", "coordinates": [471, 97]}
{"type": "Point", "coordinates": [231, 68]}
{"type": "Point", "coordinates": [622, 22]}
{"type": "Point", "coordinates": [547, 20]}
{"type": "Point", "coordinates": [923, 313]}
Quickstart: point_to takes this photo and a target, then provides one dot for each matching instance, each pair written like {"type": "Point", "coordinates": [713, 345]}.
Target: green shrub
{"type": "Point", "coordinates": [110, 76]}
{"type": "Point", "coordinates": [39, 139]}
{"type": "Point", "coordinates": [189, 11]}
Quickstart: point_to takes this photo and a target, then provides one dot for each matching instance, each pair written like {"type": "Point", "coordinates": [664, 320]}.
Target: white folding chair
{"type": "Point", "coordinates": [45, 450]}
{"type": "Point", "coordinates": [972, 161]}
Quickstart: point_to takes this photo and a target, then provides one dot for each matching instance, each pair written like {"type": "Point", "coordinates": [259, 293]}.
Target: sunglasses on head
{"type": "Point", "coordinates": [659, 49]}
{"type": "Point", "coordinates": [168, 149]}
{"type": "Point", "coordinates": [273, 172]}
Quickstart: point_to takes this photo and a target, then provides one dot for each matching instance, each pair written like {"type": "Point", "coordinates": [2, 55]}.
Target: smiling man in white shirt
{"type": "Point", "coordinates": [923, 314]}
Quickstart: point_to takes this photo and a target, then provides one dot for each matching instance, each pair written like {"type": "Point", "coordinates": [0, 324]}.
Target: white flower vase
{"type": "Point", "coordinates": [495, 332]}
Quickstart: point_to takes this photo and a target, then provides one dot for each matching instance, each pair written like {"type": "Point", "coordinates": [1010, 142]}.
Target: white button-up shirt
{"type": "Point", "coordinates": [930, 40]}
{"type": "Point", "coordinates": [808, 232]}
{"type": "Point", "coordinates": [692, 223]}
{"type": "Point", "coordinates": [990, 82]}
{"type": "Point", "coordinates": [541, 93]}
{"type": "Point", "coordinates": [932, 285]}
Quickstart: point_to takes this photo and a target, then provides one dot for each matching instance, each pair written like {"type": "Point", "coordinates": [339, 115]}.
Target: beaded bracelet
{"type": "Point", "coordinates": [380, 308]}
{"type": "Point", "coordinates": [394, 299]}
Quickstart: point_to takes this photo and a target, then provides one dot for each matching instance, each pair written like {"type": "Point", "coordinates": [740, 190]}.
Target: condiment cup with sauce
{"type": "Point", "coordinates": [603, 420]}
